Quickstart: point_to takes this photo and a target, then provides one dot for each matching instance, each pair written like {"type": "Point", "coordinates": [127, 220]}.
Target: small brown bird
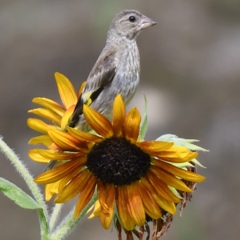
{"type": "Point", "coordinates": [117, 69]}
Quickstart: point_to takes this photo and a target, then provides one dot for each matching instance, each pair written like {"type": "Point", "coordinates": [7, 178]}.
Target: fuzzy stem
{"type": "Point", "coordinates": [54, 216]}
{"type": "Point", "coordinates": [25, 174]}
{"type": "Point", "coordinates": [69, 223]}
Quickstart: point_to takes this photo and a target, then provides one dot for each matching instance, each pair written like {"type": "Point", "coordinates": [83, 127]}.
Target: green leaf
{"type": "Point", "coordinates": [188, 143]}
{"type": "Point", "coordinates": [144, 122]}
{"type": "Point", "coordinates": [17, 195]}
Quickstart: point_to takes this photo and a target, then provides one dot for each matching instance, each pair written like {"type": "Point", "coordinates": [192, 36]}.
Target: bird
{"type": "Point", "coordinates": [117, 69]}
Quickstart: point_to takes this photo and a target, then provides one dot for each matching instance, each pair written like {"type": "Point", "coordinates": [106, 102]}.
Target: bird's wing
{"type": "Point", "coordinates": [99, 78]}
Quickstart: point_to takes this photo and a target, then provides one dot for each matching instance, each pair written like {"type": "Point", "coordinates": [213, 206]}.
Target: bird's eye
{"type": "Point", "coordinates": [132, 19]}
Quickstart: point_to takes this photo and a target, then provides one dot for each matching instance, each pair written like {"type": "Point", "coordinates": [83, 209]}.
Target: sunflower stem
{"type": "Point", "coordinates": [54, 216]}
{"type": "Point", "coordinates": [69, 223]}
{"type": "Point", "coordinates": [26, 175]}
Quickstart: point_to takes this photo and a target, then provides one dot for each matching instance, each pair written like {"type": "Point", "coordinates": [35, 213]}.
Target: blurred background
{"type": "Point", "coordinates": [190, 75]}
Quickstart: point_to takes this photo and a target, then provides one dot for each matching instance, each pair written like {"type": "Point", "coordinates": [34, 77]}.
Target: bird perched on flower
{"type": "Point", "coordinates": [117, 69]}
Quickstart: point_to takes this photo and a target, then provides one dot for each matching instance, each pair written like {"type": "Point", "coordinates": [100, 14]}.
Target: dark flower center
{"type": "Point", "coordinates": [118, 161]}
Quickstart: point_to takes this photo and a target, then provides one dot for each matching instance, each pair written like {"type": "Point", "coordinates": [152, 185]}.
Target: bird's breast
{"type": "Point", "coordinates": [128, 72]}
{"type": "Point", "coordinates": [129, 58]}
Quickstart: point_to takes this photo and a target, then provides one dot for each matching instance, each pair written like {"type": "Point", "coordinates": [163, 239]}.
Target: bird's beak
{"type": "Point", "coordinates": [147, 22]}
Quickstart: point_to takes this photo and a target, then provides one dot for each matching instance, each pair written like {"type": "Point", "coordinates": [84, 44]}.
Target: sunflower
{"type": "Point", "coordinates": [134, 180]}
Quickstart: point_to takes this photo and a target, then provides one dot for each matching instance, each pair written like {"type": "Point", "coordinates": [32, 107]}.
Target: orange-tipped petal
{"type": "Point", "coordinates": [66, 90]}
{"type": "Point", "coordinates": [98, 122]}
{"type": "Point", "coordinates": [118, 116]}
{"type": "Point", "coordinates": [132, 124]}
{"type": "Point", "coordinates": [49, 104]}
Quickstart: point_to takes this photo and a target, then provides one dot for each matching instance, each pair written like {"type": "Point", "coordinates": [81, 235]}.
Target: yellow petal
{"type": "Point", "coordinates": [136, 208]}
{"type": "Point", "coordinates": [118, 116]}
{"type": "Point", "coordinates": [84, 136]}
{"type": "Point", "coordinates": [72, 177]}
{"type": "Point", "coordinates": [161, 188]}
{"type": "Point", "coordinates": [66, 90]}
{"type": "Point", "coordinates": [184, 174]}
{"type": "Point", "coordinates": [96, 210]}
{"type": "Point", "coordinates": [65, 141]}
{"type": "Point", "coordinates": [50, 190]}
{"type": "Point", "coordinates": [42, 139]}
{"type": "Point", "coordinates": [59, 172]}
{"type": "Point", "coordinates": [150, 205]}
{"type": "Point", "coordinates": [168, 206]}
{"type": "Point", "coordinates": [34, 155]}
{"type": "Point", "coordinates": [170, 179]}
{"type": "Point", "coordinates": [132, 124]}
{"type": "Point", "coordinates": [38, 125]}
{"type": "Point", "coordinates": [47, 114]}
{"type": "Point", "coordinates": [49, 104]}
{"type": "Point", "coordinates": [85, 196]}
{"type": "Point", "coordinates": [106, 196]}
{"type": "Point", "coordinates": [71, 187]}
{"type": "Point", "coordinates": [57, 155]}
{"type": "Point", "coordinates": [154, 146]}
{"type": "Point", "coordinates": [66, 117]}
{"type": "Point", "coordinates": [98, 122]}
{"type": "Point", "coordinates": [123, 208]}
{"type": "Point", "coordinates": [176, 154]}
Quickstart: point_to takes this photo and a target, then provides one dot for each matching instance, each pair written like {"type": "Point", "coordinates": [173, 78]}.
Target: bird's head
{"type": "Point", "coordinates": [128, 24]}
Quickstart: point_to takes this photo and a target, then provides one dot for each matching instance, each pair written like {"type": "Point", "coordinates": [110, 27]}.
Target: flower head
{"type": "Point", "coordinates": [135, 180]}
